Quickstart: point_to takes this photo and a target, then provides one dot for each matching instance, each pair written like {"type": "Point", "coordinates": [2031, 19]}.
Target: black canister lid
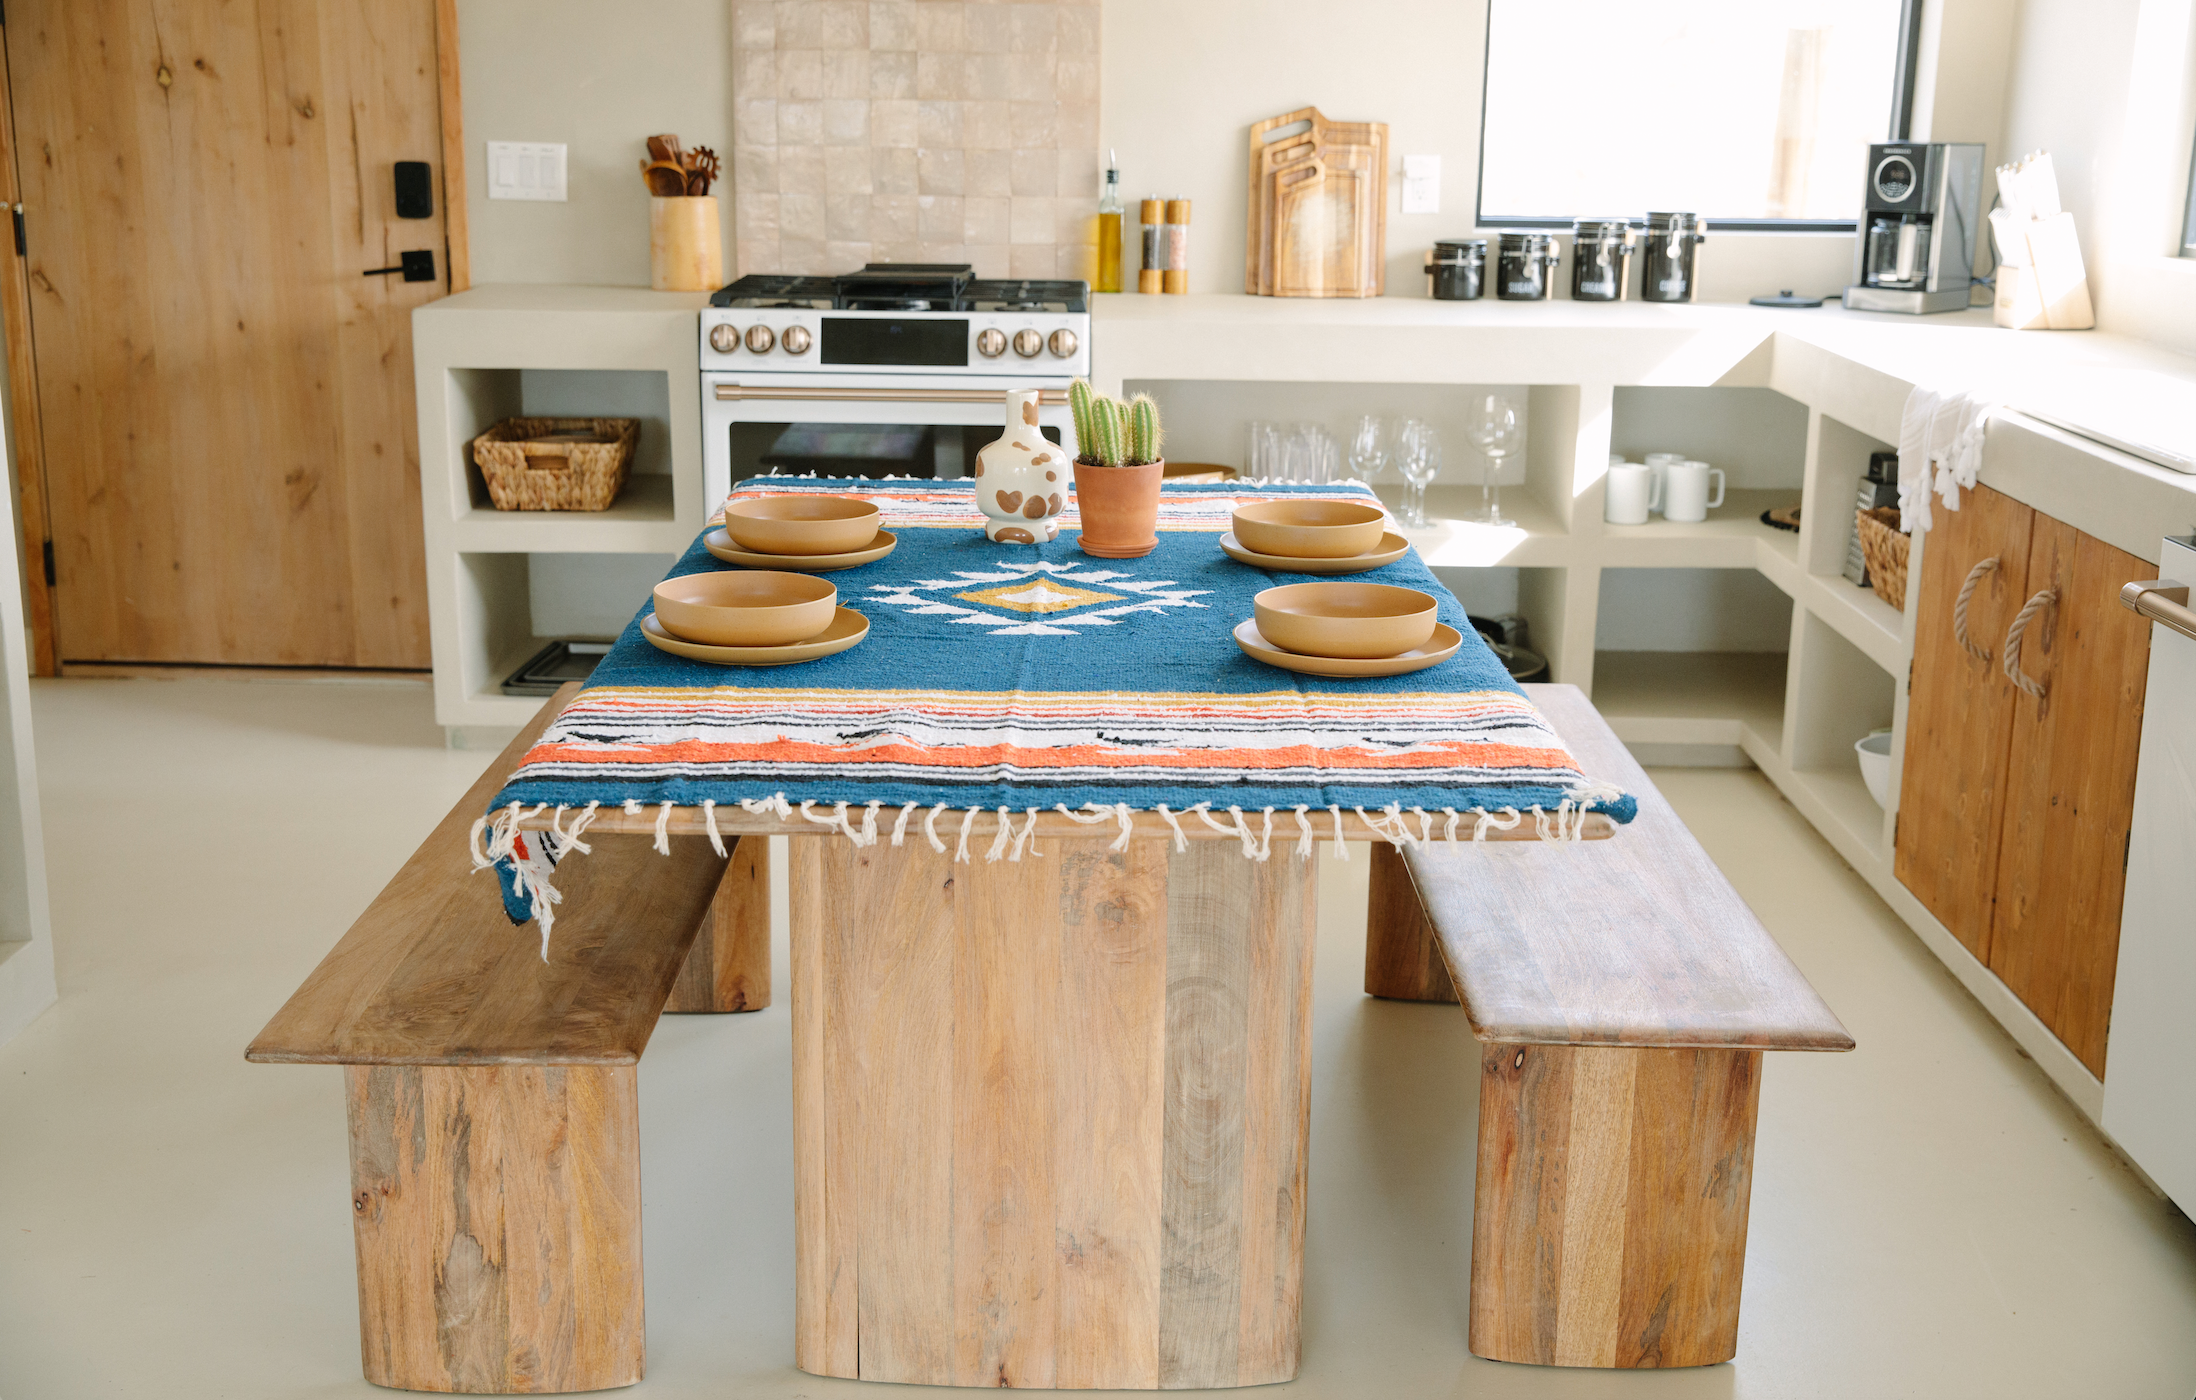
{"type": "Point", "coordinates": [1664, 221]}
{"type": "Point", "coordinates": [1598, 229]}
{"type": "Point", "coordinates": [1460, 250]}
{"type": "Point", "coordinates": [1527, 242]}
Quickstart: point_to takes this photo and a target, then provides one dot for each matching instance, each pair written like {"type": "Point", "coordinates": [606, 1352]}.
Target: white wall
{"type": "Point", "coordinates": [1182, 83]}
{"type": "Point", "coordinates": [26, 931]}
{"type": "Point", "coordinates": [600, 78]}
{"type": "Point", "coordinates": [2105, 85]}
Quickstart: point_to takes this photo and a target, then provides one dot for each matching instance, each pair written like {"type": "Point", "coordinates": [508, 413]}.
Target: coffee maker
{"type": "Point", "coordinates": [1919, 217]}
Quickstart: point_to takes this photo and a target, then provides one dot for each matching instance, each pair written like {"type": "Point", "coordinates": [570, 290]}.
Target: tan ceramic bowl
{"type": "Point", "coordinates": [746, 607]}
{"type": "Point", "coordinates": [1354, 620]}
{"type": "Point", "coordinates": [1309, 529]}
{"type": "Point", "coordinates": [801, 524]}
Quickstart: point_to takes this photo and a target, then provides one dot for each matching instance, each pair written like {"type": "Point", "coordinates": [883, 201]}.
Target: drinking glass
{"type": "Point", "coordinates": [1369, 448]}
{"type": "Point", "coordinates": [1420, 458]}
{"type": "Point", "coordinates": [1496, 427]}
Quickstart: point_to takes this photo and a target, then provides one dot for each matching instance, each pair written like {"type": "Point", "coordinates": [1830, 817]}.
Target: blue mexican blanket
{"type": "Point", "coordinates": [1030, 677]}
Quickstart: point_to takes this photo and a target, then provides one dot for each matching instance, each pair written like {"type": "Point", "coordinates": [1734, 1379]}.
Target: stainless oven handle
{"type": "Point", "coordinates": [787, 393]}
{"type": "Point", "coordinates": [2162, 600]}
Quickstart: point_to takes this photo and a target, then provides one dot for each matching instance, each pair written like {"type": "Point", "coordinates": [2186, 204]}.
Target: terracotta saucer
{"type": "Point", "coordinates": [1392, 547]}
{"type": "Point", "coordinates": [1439, 648]}
{"type": "Point", "coordinates": [847, 628]}
{"type": "Point", "coordinates": [720, 543]}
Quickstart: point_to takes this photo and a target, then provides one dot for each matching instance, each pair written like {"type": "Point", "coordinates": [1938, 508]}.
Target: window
{"type": "Point", "coordinates": [1747, 112]}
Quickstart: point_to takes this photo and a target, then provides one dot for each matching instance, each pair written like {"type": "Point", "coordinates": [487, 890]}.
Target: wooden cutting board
{"type": "Point", "coordinates": [1318, 207]}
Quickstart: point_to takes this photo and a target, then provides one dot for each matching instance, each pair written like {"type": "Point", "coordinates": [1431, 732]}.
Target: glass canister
{"type": "Point", "coordinates": [1525, 266]}
{"type": "Point", "coordinates": [1600, 249]}
{"type": "Point", "coordinates": [1459, 269]}
{"type": "Point", "coordinates": [1666, 256]}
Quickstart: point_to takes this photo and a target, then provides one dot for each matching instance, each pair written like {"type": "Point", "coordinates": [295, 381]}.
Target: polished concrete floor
{"type": "Point", "coordinates": [1929, 1218]}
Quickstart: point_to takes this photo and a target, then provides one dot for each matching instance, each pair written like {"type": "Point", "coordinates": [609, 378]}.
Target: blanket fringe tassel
{"type": "Point", "coordinates": [494, 837]}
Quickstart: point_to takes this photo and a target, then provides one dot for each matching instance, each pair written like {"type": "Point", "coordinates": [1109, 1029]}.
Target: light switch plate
{"type": "Point", "coordinates": [1421, 184]}
{"type": "Point", "coordinates": [526, 170]}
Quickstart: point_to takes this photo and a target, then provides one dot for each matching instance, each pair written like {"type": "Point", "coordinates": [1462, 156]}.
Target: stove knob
{"type": "Point", "coordinates": [760, 339]}
{"type": "Point", "coordinates": [724, 339]}
{"type": "Point", "coordinates": [1028, 343]}
{"type": "Point", "coordinates": [1063, 343]}
{"type": "Point", "coordinates": [795, 340]}
{"type": "Point", "coordinates": [991, 344]}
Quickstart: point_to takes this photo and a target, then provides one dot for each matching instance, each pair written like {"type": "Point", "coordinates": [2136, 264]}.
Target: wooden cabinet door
{"type": "Point", "coordinates": [227, 397]}
{"type": "Point", "coordinates": [2070, 788]}
{"type": "Point", "coordinates": [1959, 710]}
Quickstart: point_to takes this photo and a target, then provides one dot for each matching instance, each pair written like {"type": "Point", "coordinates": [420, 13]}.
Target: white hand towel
{"type": "Point", "coordinates": [1940, 449]}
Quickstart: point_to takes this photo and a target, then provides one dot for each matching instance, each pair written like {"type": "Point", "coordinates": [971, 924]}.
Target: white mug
{"type": "Point", "coordinates": [1686, 497]}
{"type": "Point", "coordinates": [1629, 493]}
{"type": "Point", "coordinates": [1661, 462]}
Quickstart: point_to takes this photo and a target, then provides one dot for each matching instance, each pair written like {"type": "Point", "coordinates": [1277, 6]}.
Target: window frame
{"type": "Point", "coordinates": [1900, 128]}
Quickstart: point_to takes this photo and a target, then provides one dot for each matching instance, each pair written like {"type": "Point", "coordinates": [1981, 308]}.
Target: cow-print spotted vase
{"type": "Point", "coordinates": [1022, 479]}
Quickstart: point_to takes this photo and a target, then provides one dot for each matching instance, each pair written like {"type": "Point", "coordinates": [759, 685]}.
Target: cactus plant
{"type": "Point", "coordinates": [1110, 433]}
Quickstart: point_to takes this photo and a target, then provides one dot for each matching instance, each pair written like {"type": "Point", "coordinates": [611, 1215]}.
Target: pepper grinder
{"type": "Point", "coordinates": [1150, 277]}
{"type": "Point", "coordinates": [1178, 244]}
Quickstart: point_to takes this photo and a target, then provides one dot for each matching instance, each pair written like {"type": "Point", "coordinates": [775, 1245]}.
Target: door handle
{"type": "Point", "coordinates": [2026, 683]}
{"type": "Point", "coordinates": [2162, 600]}
{"type": "Point", "coordinates": [417, 266]}
{"type": "Point", "coordinates": [733, 393]}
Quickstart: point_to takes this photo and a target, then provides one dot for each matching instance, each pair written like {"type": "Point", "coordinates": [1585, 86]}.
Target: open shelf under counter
{"type": "Point", "coordinates": [1454, 540]}
{"type": "Point", "coordinates": [1860, 616]}
{"type": "Point", "coordinates": [1732, 537]}
{"type": "Point", "coordinates": [1692, 697]}
{"type": "Point", "coordinates": [642, 520]}
{"type": "Point", "coordinates": [1845, 794]}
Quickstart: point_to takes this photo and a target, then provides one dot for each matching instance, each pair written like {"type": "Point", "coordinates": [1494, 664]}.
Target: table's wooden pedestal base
{"type": "Point", "coordinates": [497, 1214]}
{"type": "Point", "coordinates": [1050, 1115]}
{"type": "Point", "coordinates": [728, 968]}
{"type": "Point", "coordinates": [1609, 1219]}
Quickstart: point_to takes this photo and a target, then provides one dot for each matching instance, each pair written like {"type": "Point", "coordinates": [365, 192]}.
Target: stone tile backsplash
{"type": "Point", "coordinates": [916, 131]}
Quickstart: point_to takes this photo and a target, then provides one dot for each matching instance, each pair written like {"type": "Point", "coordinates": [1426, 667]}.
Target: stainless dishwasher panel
{"type": "Point", "coordinates": [2150, 1059]}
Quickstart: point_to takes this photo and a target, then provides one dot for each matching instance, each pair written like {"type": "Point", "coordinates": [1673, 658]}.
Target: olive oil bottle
{"type": "Point", "coordinates": [1109, 230]}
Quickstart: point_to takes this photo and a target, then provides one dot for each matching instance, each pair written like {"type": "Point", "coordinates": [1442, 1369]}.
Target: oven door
{"type": "Point", "coordinates": [849, 425]}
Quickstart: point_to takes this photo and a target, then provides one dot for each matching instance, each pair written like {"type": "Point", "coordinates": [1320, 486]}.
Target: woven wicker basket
{"type": "Point", "coordinates": [1885, 549]}
{"type": "Point", "coordinates": [556, 463]}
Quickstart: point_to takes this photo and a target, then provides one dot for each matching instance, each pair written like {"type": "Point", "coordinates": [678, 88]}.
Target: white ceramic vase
{"type": "Point", "coordinates": [1021, 479]}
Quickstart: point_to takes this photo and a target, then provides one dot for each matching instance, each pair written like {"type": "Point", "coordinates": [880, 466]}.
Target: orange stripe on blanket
{"type": "Point", "coordinates": [694, 751]}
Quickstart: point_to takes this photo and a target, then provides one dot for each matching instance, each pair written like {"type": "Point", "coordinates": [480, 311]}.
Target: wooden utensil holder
{"type": "Point", "coordinates": [685, 246]}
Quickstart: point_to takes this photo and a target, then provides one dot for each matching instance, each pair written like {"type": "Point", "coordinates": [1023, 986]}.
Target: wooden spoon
{"type": "Point", "coordinates": [663, 178]}
{"type": "Point", "coordinates": [663, 148]}
{"type": "Point", "coordinates": [703, 167]}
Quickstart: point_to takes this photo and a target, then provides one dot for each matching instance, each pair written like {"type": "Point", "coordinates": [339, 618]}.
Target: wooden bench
{"type": "Point", "coordinates": [495, 1152]}
{"type": "Point", "coordinates": [1623, 994]}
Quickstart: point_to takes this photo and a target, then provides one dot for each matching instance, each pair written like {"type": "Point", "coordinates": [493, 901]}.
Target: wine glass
{"type": "Point", "coordinates": [1496, 427]}
{"type": "Point", "coordinates": [1369, 448]}
{"type": "Point", "coordinates": [1420, 458]}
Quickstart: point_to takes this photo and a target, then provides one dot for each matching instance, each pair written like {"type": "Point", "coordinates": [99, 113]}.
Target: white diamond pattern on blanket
{"type": "Point", "coordinates": [1040, 598]}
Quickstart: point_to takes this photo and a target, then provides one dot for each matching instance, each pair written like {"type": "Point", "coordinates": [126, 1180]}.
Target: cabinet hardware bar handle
{"type": "Point", "coordinates": [732, 393]}
{"type": "Point", "coordinates": [1959, 608]}
{"type": "Point", "coordinates": [2162, 600]}
{"type": "Point", "coordinates": [2028, 684]}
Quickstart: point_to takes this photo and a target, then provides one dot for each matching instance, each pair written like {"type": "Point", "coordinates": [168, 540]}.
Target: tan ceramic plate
{"type": "Point", "coordinates": [720, 543]}
{"type": "Point", "coordinates": [846, 629]}
{"type": "Point", "coordinates": [1445, 641]}
{"type": "Point", "coordinates": [1392, 547]}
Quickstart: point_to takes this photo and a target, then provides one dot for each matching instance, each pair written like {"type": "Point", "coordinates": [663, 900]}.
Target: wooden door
{"type": "Point", "coordinates": [1958, 713]}
{"type": "Point", "coordinates": [2070, 788]}
{"type": "Point", "coordinates": [231, 458]}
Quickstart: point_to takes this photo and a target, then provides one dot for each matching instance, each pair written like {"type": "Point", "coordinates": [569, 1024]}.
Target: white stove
{"type": "Point", "coordinates": [899, 369]}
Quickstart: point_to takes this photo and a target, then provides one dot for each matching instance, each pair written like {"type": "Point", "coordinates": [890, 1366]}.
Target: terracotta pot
{"type": "Point", "coordinates": [1120, 509]}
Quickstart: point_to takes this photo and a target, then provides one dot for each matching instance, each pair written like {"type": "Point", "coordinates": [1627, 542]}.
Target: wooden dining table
{"type": "Point", "coordinates": [1050, 1108]}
